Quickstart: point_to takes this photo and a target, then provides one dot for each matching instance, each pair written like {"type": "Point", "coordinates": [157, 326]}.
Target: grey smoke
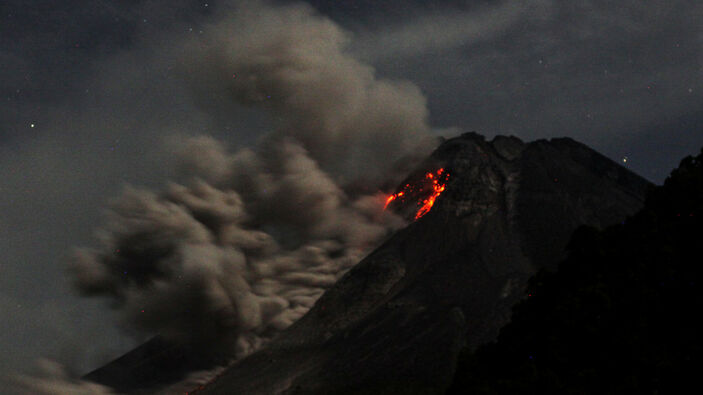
{"type": "Point", "coordinates": [296, 64]}
{"type": "Point", "coordinates": [244, 243]}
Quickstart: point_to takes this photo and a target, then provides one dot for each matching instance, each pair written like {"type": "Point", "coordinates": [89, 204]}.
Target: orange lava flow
{"type": "Point", "coordinates": [438, 183]}
{"type": "Point", "coordinates": [392, 198]}
{"type": "Point", "coordinates": [427, 204]}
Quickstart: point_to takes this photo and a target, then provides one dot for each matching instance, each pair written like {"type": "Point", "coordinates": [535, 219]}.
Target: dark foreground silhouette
{"type": "Point", "coordinates": [620, 315]}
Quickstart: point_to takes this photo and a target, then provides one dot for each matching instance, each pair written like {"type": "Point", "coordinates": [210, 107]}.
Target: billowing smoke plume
{"type": "Point", "coordinates": [245, 245]}
{"type": "Point", "coordinates": [294, 63]}
{"type": "Point", "coordinates": [235, 260]}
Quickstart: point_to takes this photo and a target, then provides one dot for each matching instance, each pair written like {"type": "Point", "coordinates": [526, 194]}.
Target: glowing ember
{"type": "Point", "coordinates": [392, 198]}
{"type": "Point", "coordinates": [437, 181]}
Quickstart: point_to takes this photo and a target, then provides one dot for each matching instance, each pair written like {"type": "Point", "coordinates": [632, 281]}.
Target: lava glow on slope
{"type": "Point", "coordinates": [437, 183]}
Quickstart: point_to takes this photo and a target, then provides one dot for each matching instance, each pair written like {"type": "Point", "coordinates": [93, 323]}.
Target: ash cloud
{"type": "Point", "coordinates": [245, 242]}
{"type": "Point", "coordinates": [296, 64]}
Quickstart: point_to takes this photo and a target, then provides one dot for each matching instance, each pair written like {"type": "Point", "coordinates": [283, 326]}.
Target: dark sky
{"type": "Point", "coordinates": [90, 96]}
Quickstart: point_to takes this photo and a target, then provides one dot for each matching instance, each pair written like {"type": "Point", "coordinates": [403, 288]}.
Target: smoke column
{"type": "Point", "coordinates": [247, 241]}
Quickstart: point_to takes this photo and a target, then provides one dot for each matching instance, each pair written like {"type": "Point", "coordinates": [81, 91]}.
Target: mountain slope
{"type": "Point", "coordinates": [616, 316]}
{"type": "Point", "coordinates": [396, 321]}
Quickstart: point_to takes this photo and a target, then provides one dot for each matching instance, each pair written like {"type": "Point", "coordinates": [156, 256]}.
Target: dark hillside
{"type": "Point", "coordinates": [619, 316]}
{"type": "Point", "coordinates": [395, 323]}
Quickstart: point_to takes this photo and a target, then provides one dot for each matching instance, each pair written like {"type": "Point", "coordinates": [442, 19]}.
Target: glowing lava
{"type": "Point", "coordinates": [392, 198]}
{"type": "Point", "coordinates": [437, 190]}
{"type": "Point", "coordinates": [437, 182]}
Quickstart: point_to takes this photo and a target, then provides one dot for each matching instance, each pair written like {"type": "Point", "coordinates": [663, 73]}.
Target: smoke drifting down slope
{"type": "Point", "coordinates": [244, 246]}
{"type": "Point", "coordinates": [395, 322]}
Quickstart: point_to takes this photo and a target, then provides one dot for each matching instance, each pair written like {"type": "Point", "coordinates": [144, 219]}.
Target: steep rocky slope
{"type": "Point", "coordinates": [396, 321]}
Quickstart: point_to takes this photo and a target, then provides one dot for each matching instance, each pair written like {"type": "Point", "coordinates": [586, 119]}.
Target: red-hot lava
{"type": "Point", "coordinates": [437, 182]}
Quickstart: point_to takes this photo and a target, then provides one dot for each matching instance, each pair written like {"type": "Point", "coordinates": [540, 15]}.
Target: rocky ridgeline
{"type": "Point", "coordinates": [396, 321]}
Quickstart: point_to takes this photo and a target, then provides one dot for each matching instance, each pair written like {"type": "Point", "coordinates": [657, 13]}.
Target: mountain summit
{"type": "Point", "coordinates": [396, 321]}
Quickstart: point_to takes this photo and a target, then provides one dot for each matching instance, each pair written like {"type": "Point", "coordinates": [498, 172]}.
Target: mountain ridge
{"type": "Point", "coordinates": [396, 321]}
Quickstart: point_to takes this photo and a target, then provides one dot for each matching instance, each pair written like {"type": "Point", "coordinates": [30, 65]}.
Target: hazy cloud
{"type": "Point", "coordinates": [446, 30]}
{"type": "Point", "coordinates": [619, 77]}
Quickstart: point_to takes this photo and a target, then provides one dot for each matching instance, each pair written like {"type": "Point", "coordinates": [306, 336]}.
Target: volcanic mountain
{"type": "Point", "coordinates": [394, 324]}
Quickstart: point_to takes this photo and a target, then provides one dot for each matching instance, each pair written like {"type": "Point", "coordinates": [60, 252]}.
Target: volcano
{"type": "Point", "coordinates": [497, 212]}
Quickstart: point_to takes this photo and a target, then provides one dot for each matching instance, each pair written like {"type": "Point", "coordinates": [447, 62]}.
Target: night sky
{"type": "Point", "coordinates": [91, 94]}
